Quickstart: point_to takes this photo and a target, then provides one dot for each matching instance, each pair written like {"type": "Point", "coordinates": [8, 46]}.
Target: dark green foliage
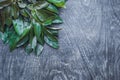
{"type": "Point", "coordinates": [27, 23]}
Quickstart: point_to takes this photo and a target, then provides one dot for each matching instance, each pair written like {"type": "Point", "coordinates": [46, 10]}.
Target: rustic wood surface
{"type": "Point", "coordinates": [89, 47]}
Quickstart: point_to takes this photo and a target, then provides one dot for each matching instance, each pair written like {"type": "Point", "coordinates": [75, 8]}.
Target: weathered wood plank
{"type": "Point", "coordinates": [89, 47]}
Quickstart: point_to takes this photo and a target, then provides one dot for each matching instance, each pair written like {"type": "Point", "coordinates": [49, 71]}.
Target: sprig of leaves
{"type": "Point", "coordinates": [27, 23]}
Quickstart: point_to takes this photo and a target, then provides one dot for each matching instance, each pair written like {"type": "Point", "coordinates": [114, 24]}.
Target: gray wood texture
{"type": "Point", "coordinates": [89, 47]}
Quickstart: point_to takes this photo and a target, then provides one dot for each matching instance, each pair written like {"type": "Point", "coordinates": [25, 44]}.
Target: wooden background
{"type": "Point", "coordinates": [89, 47]}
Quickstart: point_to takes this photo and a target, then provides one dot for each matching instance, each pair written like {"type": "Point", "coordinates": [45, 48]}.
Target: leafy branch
{"type": "Point", "coordinates": [28, 23]}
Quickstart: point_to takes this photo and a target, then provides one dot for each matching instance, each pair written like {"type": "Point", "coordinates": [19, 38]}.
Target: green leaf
{"type": "Point", "coordinates": [57, 20]}
{"type": "Point", "coordinates": [44, 15]}
{"type": "Point", "coordinates": [41, 38]}
{"type": "Point", "coordinates": [5, 38]}
{"type": "Point", "coordinates": [26, 29]}
{"type": "Point", "coordinates": [18, 26]}
{"type": "Point", "coordinates": [22, 41]}
{"type": "Point", "coordinates": [40, 5]}
{"type": "Point", "coordinates": [22, 5]}
{"type": "Point", "coordinates": [54, 31]}
{"type": "Point", "coordinates": [24, 12]}
{"type": "Point", "coordinates": [58, 3]}
{"type": "Point", "coordinates": [52, 8]}
{"type": "Point", "coordinates": [34, 43]}
{"type": "Point", "coordinates": [28, 49]}
{"type": "Point", "coordinates": [37, 28]}
{"type": "Point", "coordinates": [13, 41]}
{"type": "Point", "coordinates": [41, 15]}
{"type": "Point", "coordinates": [21, 27]}
{"type": "Point", "coordinates": [39, 49]}
{"type": "Point", "coordinates": [50, 41]}
{"type": "Point", "coordinates": [49, 21]}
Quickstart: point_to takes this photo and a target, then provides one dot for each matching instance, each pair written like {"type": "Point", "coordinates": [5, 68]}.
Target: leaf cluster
{"type": "Point", "coordinates": [28, 23]}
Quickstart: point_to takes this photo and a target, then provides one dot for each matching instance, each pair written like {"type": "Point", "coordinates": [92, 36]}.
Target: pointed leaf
{"type": "Point", "coordinates": [58, 3]}
{"type": "Point", "coordinates": [52, 8]}
{"type": "Point", "coordinates": [37, 28]}
{"type": "Point", "coordinates": [39, 49]}
{"type": "Point", "coordinates": [34, 43]}
{"type": "Point", "coordinates": [51, 42]}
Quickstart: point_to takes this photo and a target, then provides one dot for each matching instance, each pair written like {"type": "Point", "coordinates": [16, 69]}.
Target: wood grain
{"type": "Point", "coordinates": [89, 47]}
